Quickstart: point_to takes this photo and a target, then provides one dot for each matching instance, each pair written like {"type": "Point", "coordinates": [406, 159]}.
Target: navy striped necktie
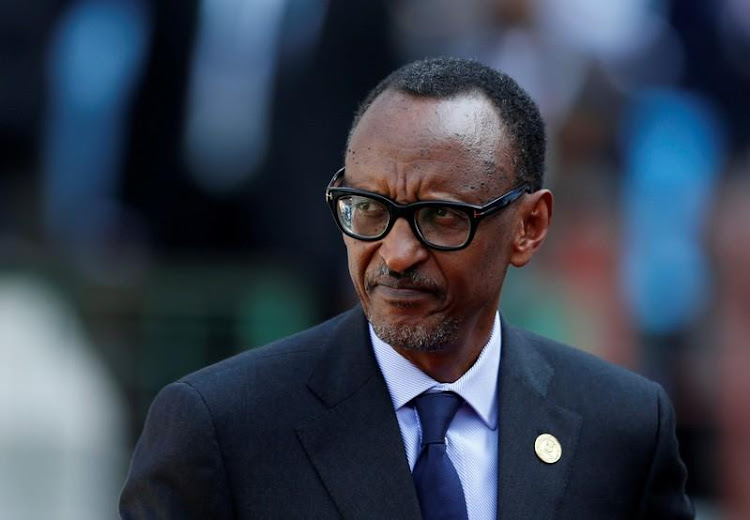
{"type": "Point", "coordinates": [439, 489]}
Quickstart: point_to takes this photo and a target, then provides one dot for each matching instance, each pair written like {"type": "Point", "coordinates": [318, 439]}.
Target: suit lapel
{"type": "Point", "coordinates": [528, 487]}
{"type": "Point", "coordinates": [355, 443]}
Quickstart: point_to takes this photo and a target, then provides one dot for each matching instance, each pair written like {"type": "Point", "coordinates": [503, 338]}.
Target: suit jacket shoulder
{"type": "Point", "coordinates": [556, 366]}
{"type": "Point", "coordinates": [301, 428]}
{"type": "Point", "coordinates": [616, 429]}
{"type": "Point", "coordinates": [276, 370]}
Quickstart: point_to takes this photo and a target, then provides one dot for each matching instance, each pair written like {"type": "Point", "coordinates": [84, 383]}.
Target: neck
{"type": "Point", "coordinates": [445, 366]}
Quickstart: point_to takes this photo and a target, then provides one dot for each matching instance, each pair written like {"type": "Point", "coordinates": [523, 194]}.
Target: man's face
{"type": "Point", "coordinates": [410, 149]}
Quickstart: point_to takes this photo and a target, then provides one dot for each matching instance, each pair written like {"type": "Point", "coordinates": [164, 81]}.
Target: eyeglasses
{"type": "Point", "coordinates": [442, 225]}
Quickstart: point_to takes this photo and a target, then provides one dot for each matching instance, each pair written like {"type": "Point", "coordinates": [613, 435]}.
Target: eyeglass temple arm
{"type": "Point", "coordinates": [334, 179]}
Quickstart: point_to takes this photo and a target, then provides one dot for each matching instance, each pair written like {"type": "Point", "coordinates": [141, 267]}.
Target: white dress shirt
{"type": "Point", "coordinates": [472, 436]}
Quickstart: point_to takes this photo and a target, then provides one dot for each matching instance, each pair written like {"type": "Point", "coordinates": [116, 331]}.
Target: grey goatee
{"type": "Point", "coordinates": [424, 336]}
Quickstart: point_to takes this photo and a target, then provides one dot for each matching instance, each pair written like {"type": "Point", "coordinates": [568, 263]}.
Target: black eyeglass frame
{"type": "Point", "coordinates": [475, 213]}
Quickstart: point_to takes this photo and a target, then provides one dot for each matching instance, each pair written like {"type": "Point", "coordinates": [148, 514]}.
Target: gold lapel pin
{"type": "Point", "coordinates": [548, 448]}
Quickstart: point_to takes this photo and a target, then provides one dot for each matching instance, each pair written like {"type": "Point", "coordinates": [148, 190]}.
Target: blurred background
{"type": "Point", "coordinates": [162, 167]}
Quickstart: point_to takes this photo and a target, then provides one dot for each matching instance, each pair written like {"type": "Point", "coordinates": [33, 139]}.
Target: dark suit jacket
{"type": "Point", "coordinates": [305, 428]}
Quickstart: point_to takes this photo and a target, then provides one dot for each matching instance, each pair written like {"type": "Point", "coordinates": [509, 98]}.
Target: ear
{"type": "Point", "coordinates": [534, 217]}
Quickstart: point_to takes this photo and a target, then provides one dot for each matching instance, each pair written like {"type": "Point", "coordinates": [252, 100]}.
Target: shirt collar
{"type": "Point", "coordinates": [478, 386]}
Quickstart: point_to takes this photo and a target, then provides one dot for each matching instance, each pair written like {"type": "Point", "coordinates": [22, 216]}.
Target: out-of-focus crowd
{"type": "Point", "coordinates": [162, 166]}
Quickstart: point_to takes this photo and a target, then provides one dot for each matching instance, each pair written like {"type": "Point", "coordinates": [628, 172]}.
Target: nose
{"type": "Point", "coordinates": [401, 249]}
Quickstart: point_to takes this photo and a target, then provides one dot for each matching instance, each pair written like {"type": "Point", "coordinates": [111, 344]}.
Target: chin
{"type": "Point", "coordinates": [431, 334]}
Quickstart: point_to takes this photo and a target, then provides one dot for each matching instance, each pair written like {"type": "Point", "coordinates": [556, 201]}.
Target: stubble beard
{"type": "Point", "coordinates": [417, 337]}
{"type": "Point", "coordinates": [431, 334]}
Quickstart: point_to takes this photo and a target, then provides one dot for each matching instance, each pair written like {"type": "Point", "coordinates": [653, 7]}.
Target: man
{"type": "Point", "coordinates": [421, 401]}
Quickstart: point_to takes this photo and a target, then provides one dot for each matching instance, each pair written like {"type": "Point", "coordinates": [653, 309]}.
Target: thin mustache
{"type": "Point", "coordinates": [406, 280]}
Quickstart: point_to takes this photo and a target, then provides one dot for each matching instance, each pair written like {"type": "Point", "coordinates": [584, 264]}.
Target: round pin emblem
{"type": "Point", "coordinates": [548, 448]}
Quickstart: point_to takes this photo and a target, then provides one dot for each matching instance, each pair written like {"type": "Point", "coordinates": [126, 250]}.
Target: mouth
{"type": "Point", "coordinates": [402, 291]}
{"type": "Point", "coordinates": [406, 291]}
{"type": "Point", "coordinates": [401, 297]}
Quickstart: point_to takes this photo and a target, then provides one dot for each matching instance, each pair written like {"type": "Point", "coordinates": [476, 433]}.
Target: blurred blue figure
{"type": "Point", "coordinates": [237, 52]}
{"type": "Point", "coordinates": [230, 87]}
{"type": "Point", "coordinates": [95, 58]}
{"type": "Point", "coordinates": [674, 150]}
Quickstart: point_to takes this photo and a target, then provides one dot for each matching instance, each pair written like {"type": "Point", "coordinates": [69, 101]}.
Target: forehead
{"type": "Point", "coordinates": [405, 144]}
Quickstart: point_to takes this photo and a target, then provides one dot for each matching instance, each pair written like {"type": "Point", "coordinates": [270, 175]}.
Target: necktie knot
{"type": "Point", "coordinates": [436, 412]}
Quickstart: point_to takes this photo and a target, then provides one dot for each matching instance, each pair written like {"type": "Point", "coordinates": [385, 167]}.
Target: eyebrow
{"type": "Point", "coordinates": [471, 190]}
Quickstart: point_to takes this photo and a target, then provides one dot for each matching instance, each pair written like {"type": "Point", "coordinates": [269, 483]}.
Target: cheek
{"type": "Point", "coordinates": [488, 267]}
{"type": "Point", "coordinates": [359, 255]}
{"type": "Point", "coordinates": [483, 287]}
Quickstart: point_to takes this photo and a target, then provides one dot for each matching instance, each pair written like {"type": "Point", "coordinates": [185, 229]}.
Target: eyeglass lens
{"type": "Point", "coordinates": [365, 217]}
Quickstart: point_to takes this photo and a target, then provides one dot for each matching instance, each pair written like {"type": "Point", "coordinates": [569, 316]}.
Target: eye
{"type": "Point", "coordinates": [368, 208]}
{"type": "Point", "coordinates": [366, 217]}
{"type": "Point", "coordinates": [442, 215]}
{"type": "Point", "coordinates": [440, 223]}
